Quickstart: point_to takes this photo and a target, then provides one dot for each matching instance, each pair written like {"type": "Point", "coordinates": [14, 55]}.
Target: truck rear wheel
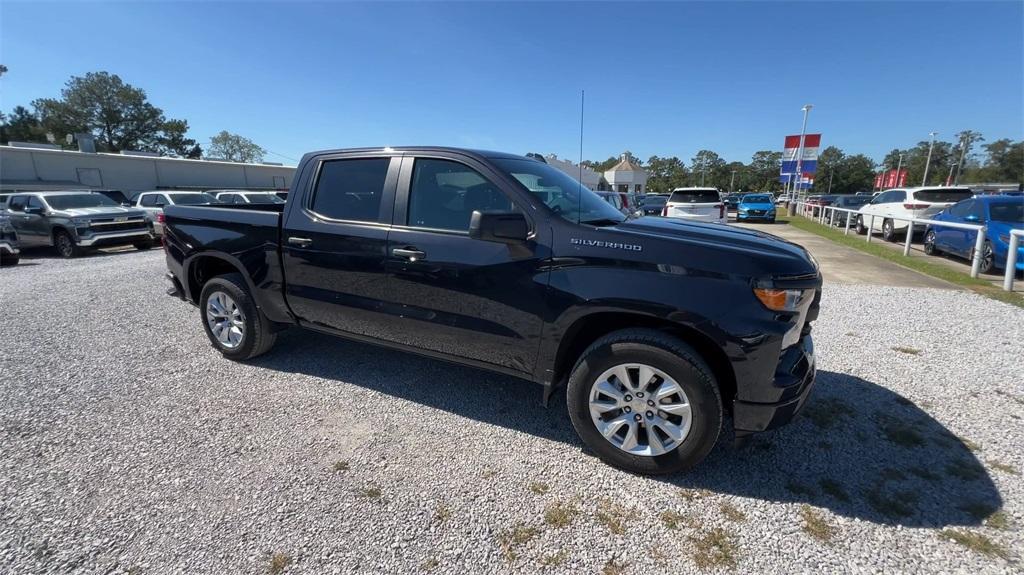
{"type": "Point", "coordinates": [645, 401]}
{"type": "Point", "coordinates": [236, 328]}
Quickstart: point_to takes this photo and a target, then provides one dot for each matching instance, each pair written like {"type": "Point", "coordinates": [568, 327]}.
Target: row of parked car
{"type": "Point", "coordinates": [696, 204]}
{"type": "Point", "coordinates": [74, 221]}
{"type": "Point", "coordinates": [999, 213]}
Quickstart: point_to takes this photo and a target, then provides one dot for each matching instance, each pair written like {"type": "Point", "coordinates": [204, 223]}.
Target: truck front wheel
{"type": "Point", "coordinates": [236, 328]}
{"type": "Point", "coordinates": [645, 401]}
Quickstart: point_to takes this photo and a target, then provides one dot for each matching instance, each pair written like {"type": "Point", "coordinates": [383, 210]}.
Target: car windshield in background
{"type": "Point", "coordinates": [193, 199]}
{"type": "Point", "coordinates": [943, 196]}
{"type": "Point", "coordinates": [1012, 212]}
{"type": "Point", "coordinates": [654, 201]}
{"type": "Point", "coordinates": [757, 199]}
{"type": "Point", "coordinates": [695, 197]}
{"type": "Point", "coordinates": [565, 196]}
{"type": "Point", "coordinates": [73, 201]}
{"type": "Point", "coordinates": [264, 199]}
{"type": "Point", "coordinates": [854, 201]}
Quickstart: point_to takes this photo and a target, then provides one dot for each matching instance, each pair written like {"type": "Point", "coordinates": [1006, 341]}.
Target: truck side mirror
{"type": "Point", "coordinates": [35, 210]}
{"type": "Point", "coordinates": [502, 227]}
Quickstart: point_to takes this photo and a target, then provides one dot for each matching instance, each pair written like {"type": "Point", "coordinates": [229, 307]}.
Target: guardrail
{"type": "Point", "coordinates": [1011, 259]}
{"type": "Point", "coordinates": [979, 242]}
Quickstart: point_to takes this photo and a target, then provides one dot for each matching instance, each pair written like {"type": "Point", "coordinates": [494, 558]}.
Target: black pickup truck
{"type": "Point", "coordinates": [659, 328]}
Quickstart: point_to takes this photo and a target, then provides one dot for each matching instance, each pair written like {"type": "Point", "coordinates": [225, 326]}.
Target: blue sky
{"type": "Point", "coordinates": [665, 79]}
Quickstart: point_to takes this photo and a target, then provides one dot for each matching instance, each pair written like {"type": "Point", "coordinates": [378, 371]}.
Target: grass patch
{"type": "Point", "coordinates": [918, 264]}
{"type": "Point", "coordinates": [555, 559]}
{"type": "Point", "coordinates": [834, 488]}
{"type": "Point", "coordinates": [442, 513]}
{"type": "Point", "coordinates": [430, 564]}
{"type": "Point", "coordinates": [694, 494]}
{"type": "Point", "coordinates": [797, 488]}
{"type": "Point", "coordinates": [614, 567]}
{"type": "Point", "coordinates": [278, 563]}
{"type": "Point", "coordinates": [539, 487]}
{"type": "Point", "coordinates": [975, 542]}
{"type": "Point", "coordinates": [340, 466]}
{"type": "Point", "coordinates": [965, 469]}
{"type": "Point", "coordinates": [673, 520]}
{"type": "Point", "coordinates": [815, 524]}
{"type": "Point", "coordinates": [732, 513]}
{"type": "Point", "coordinates": [560, 514]}
{"type": "Point", "coordinates": [511, 540]}
{"type": "Point", "coordinates": [925, 473]}
{"type": "Point", "coordinates": [612, 516]}
{"type": "Point", "coordinates": [970, 444]}
{"type": "Point", "coordinates": [999, 520]}
{"type": "Point", "coordinates": [978, 510]}
{"type": "Point", "coordinates": [714, 548]}
{"type": "Point", "coordinates": [369, 492]}
{"type": "Point", "coordinates": [827, 412]}
{"type": "Point", "coordinates": [488, 473]}
{"type": "Point", "coordinates": [892, 503]}
{"type": "Point", "coordinates": [907, 350]}
{"type": "Point", "coordinates": [999, 466]}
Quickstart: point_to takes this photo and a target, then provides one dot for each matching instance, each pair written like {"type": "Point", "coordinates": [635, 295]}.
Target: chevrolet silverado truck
{"type": "Point", "coordinates": [73, 222]}
{"type": "Point", "coordinates": [659, 329]}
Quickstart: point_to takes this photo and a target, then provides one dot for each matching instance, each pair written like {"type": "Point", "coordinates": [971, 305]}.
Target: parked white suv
{"type": "Point", "coordinates": [246, 197]}
{"type": "Point", "coordinates": [153, 204]}
{"type": "Point", "coordinates": [906, 203]}
{"type": "Point", "coordinates": [696, 204]}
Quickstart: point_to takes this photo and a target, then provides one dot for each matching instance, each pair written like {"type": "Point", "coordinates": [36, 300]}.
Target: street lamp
{"type": "Point", "coordinates": [899, 166]}
{"type": "Point", "coordinates": [928, 162]}
{"type": "Point", "coordinates": [800, 151]}
{"type": "Point", "coordinates": [732, 180]}
{"type": "Point", "coordinates": [959, 165]}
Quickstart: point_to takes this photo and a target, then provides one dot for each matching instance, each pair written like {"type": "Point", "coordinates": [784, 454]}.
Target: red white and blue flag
{"type": "Point", "coordinates": [809, 163]}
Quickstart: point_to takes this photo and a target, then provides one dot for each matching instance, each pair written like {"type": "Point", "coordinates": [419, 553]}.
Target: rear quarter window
{"type": "Point", "coordinates": [695, 197]}
{"type": "Point", "coordinates": [943, 196]}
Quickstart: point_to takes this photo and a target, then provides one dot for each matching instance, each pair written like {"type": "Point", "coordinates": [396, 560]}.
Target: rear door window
{"type": "Point", "coordinates": [694, 197]}
{"type": "Point", "coordinates": [351, 190]}
{"type": "Point", "coordinates": [943, 196]}
{"type": "Point", "coordinates": [17, 203]}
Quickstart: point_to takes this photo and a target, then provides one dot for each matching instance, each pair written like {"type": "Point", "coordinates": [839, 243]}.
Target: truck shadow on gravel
{"type": "Point", "coordinates": [857, 449]}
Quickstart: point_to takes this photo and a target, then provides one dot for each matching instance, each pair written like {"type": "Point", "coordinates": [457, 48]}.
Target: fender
{"type": "Point", "coordinates": [268, 296]}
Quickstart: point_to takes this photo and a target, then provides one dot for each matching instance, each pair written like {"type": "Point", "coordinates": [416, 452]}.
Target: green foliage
{"type": "Point", "coordinates": [235, 148]}
{"type": "Point", "coordinates": [664, 174]}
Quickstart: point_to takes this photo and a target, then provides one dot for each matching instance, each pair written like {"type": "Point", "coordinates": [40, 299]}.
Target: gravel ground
{"type": "Point", "coordinates": [127, 444]}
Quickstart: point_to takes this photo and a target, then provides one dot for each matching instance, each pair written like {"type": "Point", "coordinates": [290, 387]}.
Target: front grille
{"type": "Point", "coordinates": [111, 226]}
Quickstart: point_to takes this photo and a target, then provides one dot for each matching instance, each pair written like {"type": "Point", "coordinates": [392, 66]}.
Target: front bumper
{"type": "Point", "coordinates": [794, 374]}
{"type": "Point", "coordinates": [749, 216]}
{"type": "Point", "coordinates": [8, 248]}
{"type": "Point", "coordinates": [114, 238]}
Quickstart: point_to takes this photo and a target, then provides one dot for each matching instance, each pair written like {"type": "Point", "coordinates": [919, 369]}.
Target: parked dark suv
{"type": "Point", "coordinates": [657, 328]}
{"type": "Point", "coordinates": [74, 221]}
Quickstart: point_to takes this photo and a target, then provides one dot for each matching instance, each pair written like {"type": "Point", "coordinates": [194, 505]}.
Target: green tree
{"type": "Point", "coordinates": [172, 140]}
{"type": "Point", "coordinates": [765, 166]}
{"type": "Point", "coordinates": [235, 148]}
{"type": "Point", "coordinates": [707, 165]}
{"type": "Point", "coordinates": [21, 126]}
{"type": "Point", "coordinates": [665, 174]}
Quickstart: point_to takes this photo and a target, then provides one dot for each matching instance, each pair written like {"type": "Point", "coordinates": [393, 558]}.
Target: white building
{"type": "Point", "coordinates": [42, 168]}
{"type": "Point", "coordinates": [626, 177]}
{"type": "Point", "coordinates": [587, 176]}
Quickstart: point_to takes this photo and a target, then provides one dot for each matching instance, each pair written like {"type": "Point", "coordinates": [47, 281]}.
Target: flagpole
{"type": "Point", "coordinates": [800, 150]}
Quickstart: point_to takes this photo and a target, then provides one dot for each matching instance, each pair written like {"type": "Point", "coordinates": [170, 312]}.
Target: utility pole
{"type": "Point", "coordinates": [959, 165]}
{"type": "Point", "coordinates": [831, 170]}
{"type": "Point", "coordinates": [928, 162]}
{"type": "Point", "coordinates": [732, 180]}
{"type": "Point", "coordinates": [949, 178]}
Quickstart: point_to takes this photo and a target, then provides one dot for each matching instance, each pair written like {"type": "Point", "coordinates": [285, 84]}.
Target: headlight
{"type": "Point", "coordinates": [80, 222]}
{"type": "Point", "coordinates": [782, 299]}
{"type": "Point", "coordinates": [742, 208]}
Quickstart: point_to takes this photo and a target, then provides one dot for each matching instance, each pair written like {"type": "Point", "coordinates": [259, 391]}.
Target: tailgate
{"type": "Point", "coordinates": [702, 211]}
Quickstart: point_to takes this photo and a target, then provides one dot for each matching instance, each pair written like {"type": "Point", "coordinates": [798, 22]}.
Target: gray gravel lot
{"type": "Point", "coordinates": [127, 444]}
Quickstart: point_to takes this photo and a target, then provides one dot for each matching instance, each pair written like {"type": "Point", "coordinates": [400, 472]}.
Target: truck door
{"type": "Point", "coordinates": [334, 240]}
{"type": "Point", "coordinates": [450, 293]}
{"type": "Point", "coordinates": [29, 224]}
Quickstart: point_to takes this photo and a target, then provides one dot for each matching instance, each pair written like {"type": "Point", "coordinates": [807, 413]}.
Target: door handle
{"type": "Point", "coordinates": [300, 242]}
{"type": "Point", "coordinates": [412, 254]}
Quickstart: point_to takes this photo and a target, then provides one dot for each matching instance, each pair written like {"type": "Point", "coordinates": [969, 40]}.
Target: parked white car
{"type": "Point", "coordinates": [246, 197]}
{"type": "Point", "coordinates": [153, 203]}
{"type": "Point", "coordinates": [906, 203]}
{"type": "Point", "coordinates": [696, 204]}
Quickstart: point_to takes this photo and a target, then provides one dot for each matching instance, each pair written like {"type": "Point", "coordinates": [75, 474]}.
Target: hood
{"type": "Point", "coordinates": [757, 205]}
{"type": "Point", "coordinates": [715, 247]}
{"type": "Point", "coordinates": [100, 212]}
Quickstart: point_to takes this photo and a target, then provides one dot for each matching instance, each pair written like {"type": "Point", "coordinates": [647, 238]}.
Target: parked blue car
{"type": "Point", "coordinates": [756, 207]}
{"type": "Point", "coordinates": [999, 213]}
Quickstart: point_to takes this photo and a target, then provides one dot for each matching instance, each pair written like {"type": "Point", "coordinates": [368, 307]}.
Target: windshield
{"type": "Point", "coordinates": [757, 199]}
{"type": "Point", "coordinates": [72, 201]}
{"type": "Point", "coordinates": [193, 199]}
{"type": "Point", "coordinates": [654, 200]}
{"type": "Point", "coordinates": [939, 195]}
{"type": "Point", "coordinates": [565, 196]}
{"type": "Point", "coordinates": [708, 196]}
{"type": "Point", "coordinates": [1012, 212]}
{"type": "Point", "coordinates": [854, 201]}
{"type": "Point", "coordinates": [264, 199]}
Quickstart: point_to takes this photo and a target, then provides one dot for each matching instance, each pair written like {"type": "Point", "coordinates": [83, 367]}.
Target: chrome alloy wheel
{"type": "Point", "coordinates": [225, 319]}
{"type": "Point", "coordinates": [640, 409]}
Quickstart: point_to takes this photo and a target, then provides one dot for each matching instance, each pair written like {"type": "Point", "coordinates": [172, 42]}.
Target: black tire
{"type": "Point", "coordinates": [143, 244]}
{"type": "Point", "coordinates": [929, 243]}
{"type": "Point", "coordinates": [9, 260]}
{"type": "Point", "coordinates": [676, 359]}
{"type": "Point", "coordinates": [888, 230]}
{"type": "Point", "coordinates": [988, 259]}
{"type": "Point", "coordinates": [65, 245]}
{"type": "Point", "coordinates": [258, 335]}
{"type": "Point", "coordinates": [859, 226]}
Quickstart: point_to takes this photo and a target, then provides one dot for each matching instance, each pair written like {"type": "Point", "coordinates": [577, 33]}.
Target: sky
{"type": "Point", "coordinates": [664, 79]}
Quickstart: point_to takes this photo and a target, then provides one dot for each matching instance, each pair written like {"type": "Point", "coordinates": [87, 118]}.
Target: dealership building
{"type": "Point", "coordinates": [45, 167]}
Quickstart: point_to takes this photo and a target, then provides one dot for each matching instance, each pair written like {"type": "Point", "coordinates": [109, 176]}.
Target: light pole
{"type": "Point", "coordinates": [959, 165]}
{"type": "Point", "coordinates": [928, 162]}
{"type": "Point", "coordinates": [732, 180]}
{"type": "Point", "coordinates": [800, 151]}
{"type": "Point", "coordinates": [831, 170]}
{"type": "Point", "coordinates": [949, 178]}
{"type": "Point", "coordinates": [899, 166]}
